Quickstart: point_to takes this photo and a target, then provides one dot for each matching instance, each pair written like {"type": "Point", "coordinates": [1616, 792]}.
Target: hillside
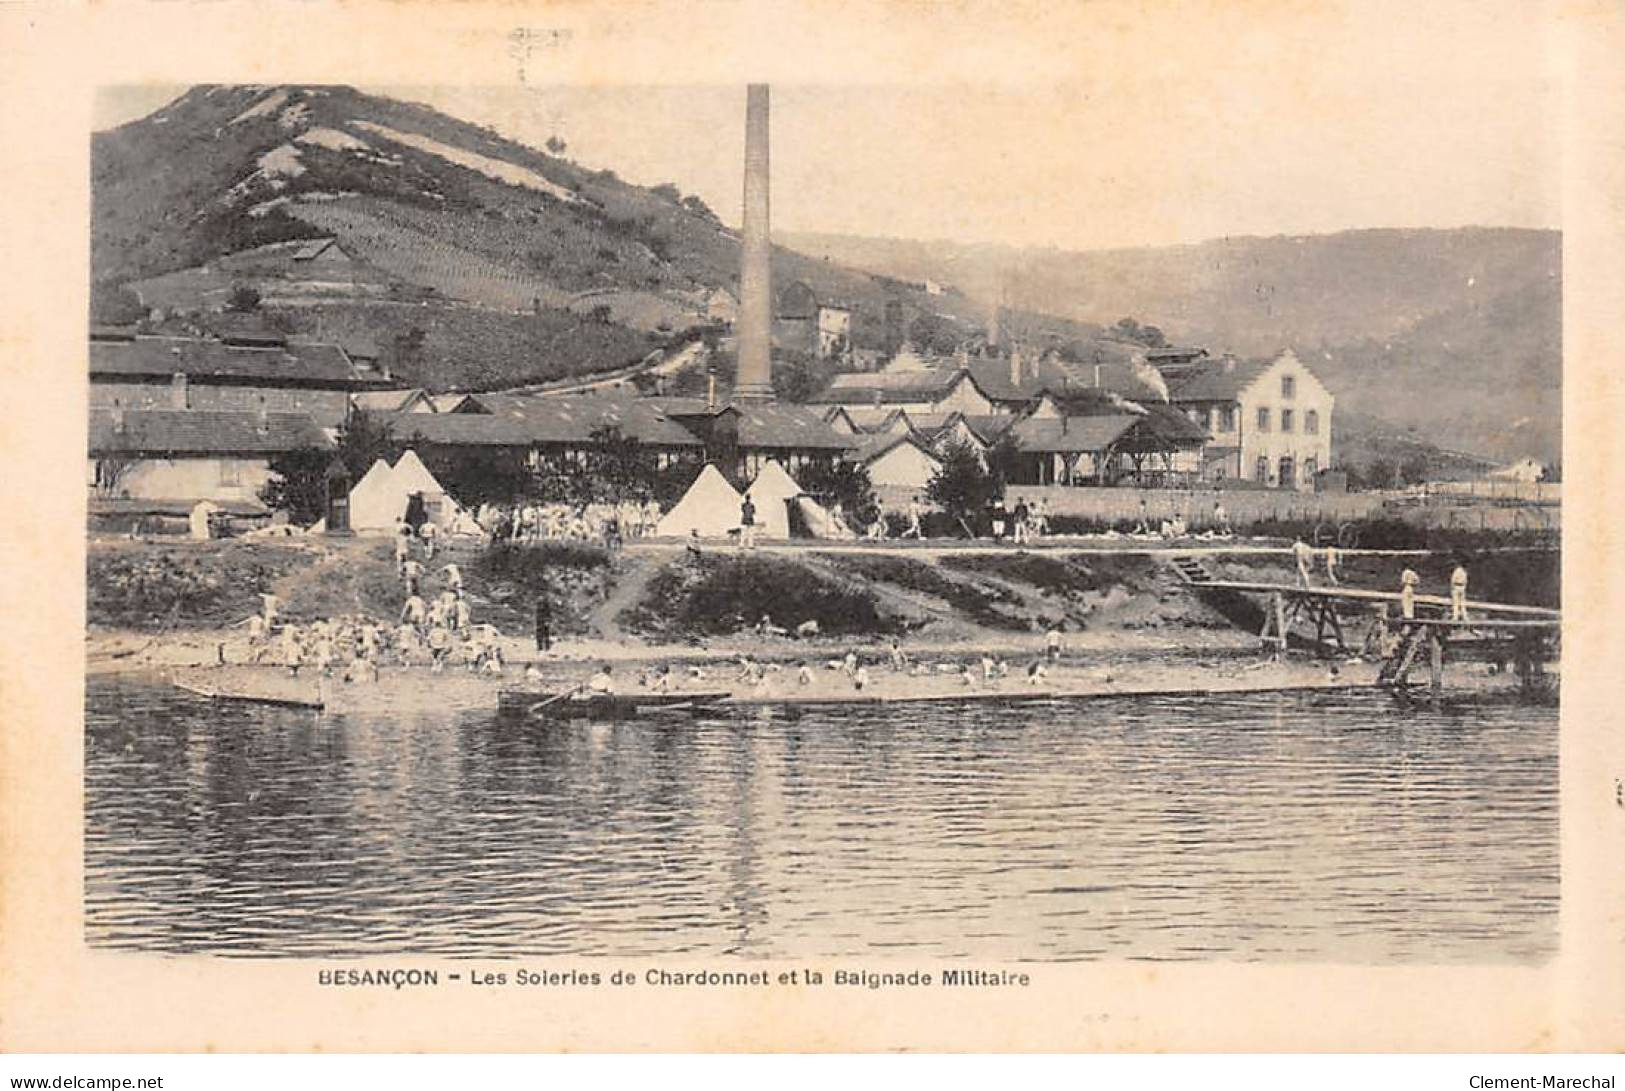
{"type": "Point", "coordinates": [1456, 333]}
{"type": "Point", "coordinates": [573, 268]}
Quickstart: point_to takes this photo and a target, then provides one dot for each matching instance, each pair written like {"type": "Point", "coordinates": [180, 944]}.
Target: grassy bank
{"type": "Point", "coordinates": [673, 597]}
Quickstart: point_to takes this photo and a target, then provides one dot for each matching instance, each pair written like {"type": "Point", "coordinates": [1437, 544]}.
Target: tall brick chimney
{"type": "Point", "coordinates": [755, 377]}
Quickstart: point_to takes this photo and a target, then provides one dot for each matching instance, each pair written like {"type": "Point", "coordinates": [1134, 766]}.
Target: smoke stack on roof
{"type": "Point", "coordinates": [262, 418]}
{"type": "Point", "coordinates": [1230, 361]}
{"type": "Point", "coordinates": [178, 395]}
{"type": "Point", "coordinates": [755, 376]}
{"type": "Point", "coordinates": [118, 416]}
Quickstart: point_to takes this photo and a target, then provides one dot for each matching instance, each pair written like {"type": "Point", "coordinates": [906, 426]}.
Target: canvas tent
{"type": "Point", "coordinates": [820, 522]}
{"type": "Point", "coordinates": [384, 491]}
{"type": "Point", "coordinates": [709, 507]}
{"type": "Point", "coordinates": [772, 492]}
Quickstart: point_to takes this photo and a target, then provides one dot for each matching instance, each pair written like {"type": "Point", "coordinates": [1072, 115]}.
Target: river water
{"type": "Point", "coordinates": [1324, 826]}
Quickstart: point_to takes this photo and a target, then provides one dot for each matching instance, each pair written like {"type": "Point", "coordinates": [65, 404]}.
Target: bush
{"type": "Point", "coordinates": [717, 594]}
{"type": "Point", "coordinates": [180, 586]}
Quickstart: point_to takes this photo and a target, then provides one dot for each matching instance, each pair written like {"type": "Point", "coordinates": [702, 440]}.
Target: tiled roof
{"type": "Point", "coordinates": [874, 418]}
{"type": "Point", "coordinates": [385, 401]}
{"type": "Point", "coordinates": [201, 358]}
{"type": "Point", "coordinates": [990, 426]}
{"type": "Point", "coordinates": [879, 445]}
{"type": "Point", "coordinates": [1215, 380]}
{"type": "Point", "coordinates": [457, 429]}
{"type": "Point", "coordinates": [573, 419]}
{"type": "Point", "coordinates": [1175, 352]}
{"type": "Point", "coordinates": [861, 388]}
{"type": "Point", "coordinates": [1072, 434]}
{"type": "Point", "coordinates": [781, 425]}
{"type": "Point", "coordinates": [1170, 424]}
{"type": "Point", "coordinates": [195, 432]}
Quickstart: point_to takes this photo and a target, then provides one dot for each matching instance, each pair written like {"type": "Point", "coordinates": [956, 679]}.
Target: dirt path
{"type": "Point", "coordinates": [627, 592]}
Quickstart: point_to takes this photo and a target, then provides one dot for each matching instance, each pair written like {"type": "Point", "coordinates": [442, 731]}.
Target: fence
{"type": "Point", "coordinates": [1249, 506]}
{"type": "Point", "coordinates": [1533, 492]}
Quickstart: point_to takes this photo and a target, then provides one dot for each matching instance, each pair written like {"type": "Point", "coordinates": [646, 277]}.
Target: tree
{"type": "Point", "coordinates": [699, 208]}
{"type": "Point", "coordinates": [555, 145]}
{"type": "Point", "coordinates": [244, 299]}
{"type": "Point", "coordinates": [406, 350]}
{"type": "Point", "coordinates": [935, 333]}
{"type": "Point", "coordinates": [839, 481]}
{"type": "Point", "coordinates": [298, 481]}
{"type": "Point", "coordinates": [667, 192]}
{"type": "Point", "coordinates": [114, 305]}
{"type": "Point", "coordinates": [1004, 459]}
{"type": "Point", "coordinates": [298, 484]}
{"type": "Point", "coordinates": [962, 486]}
{"type": "Point", "coordinates": [364, 439]}
{"type": "Point", "coordinates": [1379, 474]}
{"type": "Point", "coordinates": [485, 476]}
{"type": "Point", "coordinates": [1413, 471]}
{"type": "Point", "coordinates": [797, 377]}
{"type": "Point", "coordinates": [111, 470]}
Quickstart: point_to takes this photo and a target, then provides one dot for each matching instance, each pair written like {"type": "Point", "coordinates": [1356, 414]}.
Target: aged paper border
{"type": "Point", "coordinates": [58, 995]}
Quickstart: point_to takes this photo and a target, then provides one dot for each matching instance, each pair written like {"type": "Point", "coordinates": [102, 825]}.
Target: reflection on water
{"type": "Point", "coordinates": [1264, 827]}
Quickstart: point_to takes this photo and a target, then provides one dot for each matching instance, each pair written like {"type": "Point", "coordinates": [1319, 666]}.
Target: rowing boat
{"type": "Point", "coordinates": [274, 700]}
{"type": "Point", "coordinates": [575, 705]}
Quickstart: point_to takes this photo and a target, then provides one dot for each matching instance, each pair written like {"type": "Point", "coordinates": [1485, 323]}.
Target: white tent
{"type": "Point", "coordinates": [374, 504]}
{"type": "Point", "coordinates": [772, 492]}
{"type": "Point", "coordinates": [381, 496]}
{"type": "Point", "coordinates": [821, 522]}
{"type": "Point", "coordinates": [710, 506]}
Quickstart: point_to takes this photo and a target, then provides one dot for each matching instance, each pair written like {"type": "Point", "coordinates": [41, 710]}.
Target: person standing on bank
{"type": "Point", "coordinates": [1305, 555]}
{"type": "Point", "coordinates": [1332, 561]}
{"type": "Point", "coordinates": [1408, 580]}
{"type": "Point", "coordinates": [544, 624]}
{"type": "Point", "coordinates": [747, 523]}
{"type": "Point", "coordinates": [1458, 592]}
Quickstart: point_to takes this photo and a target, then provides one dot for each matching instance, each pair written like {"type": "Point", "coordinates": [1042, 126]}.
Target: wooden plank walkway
{"type": "Point", "coordinates": [1359, 594]}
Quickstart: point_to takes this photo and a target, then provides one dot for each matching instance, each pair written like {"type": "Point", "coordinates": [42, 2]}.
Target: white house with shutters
{"type": "Point", "coordinates": [1269, 421]}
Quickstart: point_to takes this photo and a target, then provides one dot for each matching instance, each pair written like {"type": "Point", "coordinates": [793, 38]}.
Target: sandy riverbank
{"type": "Point", "coordinates": [1082, 672]}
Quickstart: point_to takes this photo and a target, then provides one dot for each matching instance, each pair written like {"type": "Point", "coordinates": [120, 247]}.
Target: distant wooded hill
{"type": "Point", "coordinates": [574, 268]}
{"type": "Point", "coordinates": [1456, 334]}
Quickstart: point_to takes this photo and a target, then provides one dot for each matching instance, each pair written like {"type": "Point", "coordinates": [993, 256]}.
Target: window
{"type": "Point", "coordinates": [1311, 467]}
{"type": "Point", "coordinates": [1261, 471]}
{"type": "Point", "coordinates": [1227, 419]}
{"type": "Point", "coordinates": [1286, 420]}
{"type": "Point", "coordinates": [1289, 386]}
{"type": "Point", "coordinates": [1311, 423]}
{"type": "Point", "coordinates": [231, 472]}
{"type": "Point", "coordinates": [1263, 420]}
{"type": "Point", "coordinates": [1288, 477]}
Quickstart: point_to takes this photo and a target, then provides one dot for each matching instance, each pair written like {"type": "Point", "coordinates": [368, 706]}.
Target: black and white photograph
{"type": "Point", "coordinates": [491, 554]}
{"type": "Point", "coordinates": [1103, 513]}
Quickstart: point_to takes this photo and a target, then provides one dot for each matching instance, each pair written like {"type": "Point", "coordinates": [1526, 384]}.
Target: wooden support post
{"type": "Point", "coordinates": [1410, 642]}
{"type": "Point", "coordinates": [1435, 660]}
{"type": "Point", "coordinates": [1337, 628]}
{"type": "Point", "coordinates": [1281, 625]}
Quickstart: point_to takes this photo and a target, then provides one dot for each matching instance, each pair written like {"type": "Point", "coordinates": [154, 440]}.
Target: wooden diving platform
{"type": "Point", "coordinates": [1360, 594]}
{"type": "Point", "coordinates": [1528, 634]}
